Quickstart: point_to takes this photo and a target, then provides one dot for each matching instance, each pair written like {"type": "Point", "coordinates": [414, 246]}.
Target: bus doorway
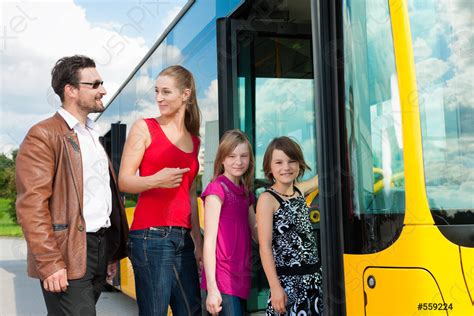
{"type": "Point", "coordinates": [266, 89]}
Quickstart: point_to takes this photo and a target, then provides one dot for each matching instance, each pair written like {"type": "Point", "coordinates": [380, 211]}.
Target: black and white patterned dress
{"type": "Point", "coordinates": [296, 257]}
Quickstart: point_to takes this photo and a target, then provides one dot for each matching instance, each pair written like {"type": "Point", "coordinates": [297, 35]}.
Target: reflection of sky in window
{"type": "Point", "coordinates": [193, 22]}
{"type": "Point", "coordinates": [285, 107]}
{"type": "Point", "coordinates": [379, 52]}
{"type": "Point", "coordinates": [191, 43]}
{"type": "Point", "coordinates": [373, 120]}
{"type": "Point", "coordinates": [443, 41]}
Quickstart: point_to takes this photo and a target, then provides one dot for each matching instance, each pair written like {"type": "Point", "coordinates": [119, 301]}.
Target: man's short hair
{"type": "Point", "coordinates": [66, 71]}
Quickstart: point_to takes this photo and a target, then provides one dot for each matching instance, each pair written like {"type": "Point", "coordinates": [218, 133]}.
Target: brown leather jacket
{"type": "Point", "coordinates": [50, 200]}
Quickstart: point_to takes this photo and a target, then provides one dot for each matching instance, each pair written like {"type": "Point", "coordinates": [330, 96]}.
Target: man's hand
{"type": "Point", "coordinates": [111, 270]}
{"type": "Point", "coordinates": [56, 282]}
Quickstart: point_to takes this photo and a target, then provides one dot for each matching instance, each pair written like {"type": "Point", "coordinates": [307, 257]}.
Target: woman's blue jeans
{"type": "Point", "coordinates": [165, 271]}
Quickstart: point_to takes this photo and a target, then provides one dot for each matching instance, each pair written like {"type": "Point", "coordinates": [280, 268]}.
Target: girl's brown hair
{"type": "Point", "coordinates": [229, 141]}
{"type": "Point", "coordinates": [290, 148]}
{"type": "Point", "coordinates": [184, 80]}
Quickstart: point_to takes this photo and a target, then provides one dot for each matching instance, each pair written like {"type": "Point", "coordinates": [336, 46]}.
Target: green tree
{"type": "Point", "coordinates": [7, 182]}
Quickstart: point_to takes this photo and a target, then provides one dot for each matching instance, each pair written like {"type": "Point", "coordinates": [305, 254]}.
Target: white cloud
{"type": "Point", "coordinates": [458, 13]}
{"type": "Point", "coordinates": [11, 122]}
{"type": "Point", "coordinates": [430, 70]}
{"type": "Point", "coordinates": [172, 13]}
{"type": "Point", "coordinates": [144, 84]}
{"type": "Point", "coordinates": [446, 82]}
{"type": "Point", "coordinates": [448, 168]}
{"type": "Point", "coordinates": [421, 48]}
{"type": "Point", "coordinates": [459, 90]}
{"type": "Point", "coordinates": [282, 108]}
{"type": "Point", "coordinates": [287, 99]}
{"type": "Point", "coordinates": [165, 55]}
{"type": "Point", "coordinates": [38, 33]}
{"type": "Point", "coordinates": [209, 104]}
{"type": "Point", "coordinates": [110, 25]}
{"type": "Point", "coordinates": [454, 73]}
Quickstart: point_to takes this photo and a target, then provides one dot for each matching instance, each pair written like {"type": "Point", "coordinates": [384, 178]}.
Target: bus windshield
{"type": "Point", "coordinates": [443, 44]}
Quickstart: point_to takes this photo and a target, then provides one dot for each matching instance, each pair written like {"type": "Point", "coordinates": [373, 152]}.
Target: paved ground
{"type": "Point", "coordinates": [21, 295]}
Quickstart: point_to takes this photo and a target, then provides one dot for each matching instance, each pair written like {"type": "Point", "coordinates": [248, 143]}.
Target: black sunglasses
{"type": "Point", "coordinates": [94, 85]}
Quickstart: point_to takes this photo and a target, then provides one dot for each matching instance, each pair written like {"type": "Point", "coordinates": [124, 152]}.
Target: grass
{"type": "Point", "coordinates": [7, 226]}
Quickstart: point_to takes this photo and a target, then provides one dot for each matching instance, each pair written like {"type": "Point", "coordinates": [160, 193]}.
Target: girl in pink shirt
{"type": "Point", "coordinates": [229, 223]}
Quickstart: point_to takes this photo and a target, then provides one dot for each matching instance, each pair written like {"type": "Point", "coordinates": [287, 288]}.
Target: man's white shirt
{"type": "Point", "coordinates": [96, 178]}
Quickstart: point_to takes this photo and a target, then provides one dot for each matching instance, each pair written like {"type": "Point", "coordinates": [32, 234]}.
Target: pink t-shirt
{"type": "Point", "coordinates": [233, 245]}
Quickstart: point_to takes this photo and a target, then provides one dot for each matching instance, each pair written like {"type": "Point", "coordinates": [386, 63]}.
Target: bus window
{"type": "Point", "coordinates": [275, 94]}
{"type": "Point", "coordinates": [375, 204]}
{"type": "Point", "coordinates": [443, 44]}
{"type": "Point", "coordinates": [283, 96]}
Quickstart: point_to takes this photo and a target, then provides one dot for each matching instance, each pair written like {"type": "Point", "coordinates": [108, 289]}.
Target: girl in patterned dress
{"type": "Point", "coordinates": [229, 224]}
{"type": "Point", "coordinates": [288, 248]}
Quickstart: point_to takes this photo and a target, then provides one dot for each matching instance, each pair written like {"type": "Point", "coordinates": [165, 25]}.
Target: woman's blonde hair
{"type": "Point", "coordinates": [229, 141]}
{"type": "Point", "coordinates": [184, 80]}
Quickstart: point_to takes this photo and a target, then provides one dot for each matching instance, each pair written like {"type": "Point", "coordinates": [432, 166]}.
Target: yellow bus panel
{"type": "Point", "coordinates": [419, 247]}
{"type": "Point", "coordinates": [127, 280]}
{"type": "Point", "coordinates": [467, 260]}
{"type": "Point", "coordinates": [398, 282]}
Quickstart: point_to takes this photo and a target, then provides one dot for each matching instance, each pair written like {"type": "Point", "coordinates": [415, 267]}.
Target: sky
{"type": "Point", "coordinates": [34, 34]}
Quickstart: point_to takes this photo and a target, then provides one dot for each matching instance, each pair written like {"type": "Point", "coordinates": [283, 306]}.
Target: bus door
{"type": "Point", "coordinates": [113, 142]}
{"type": "Point", "coordinates": [266, 89]}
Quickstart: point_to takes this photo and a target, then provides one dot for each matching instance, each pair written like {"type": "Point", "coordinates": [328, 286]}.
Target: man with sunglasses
{"type": "Point", "coordinates": [68, 203]}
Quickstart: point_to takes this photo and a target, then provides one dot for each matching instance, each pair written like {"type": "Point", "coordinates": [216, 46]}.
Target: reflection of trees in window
{"type": "Point", "coordinates": [443, 217]}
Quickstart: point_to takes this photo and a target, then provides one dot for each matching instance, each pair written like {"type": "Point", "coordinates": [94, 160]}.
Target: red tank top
{"type": "Point", "coordinates": [165, 207]}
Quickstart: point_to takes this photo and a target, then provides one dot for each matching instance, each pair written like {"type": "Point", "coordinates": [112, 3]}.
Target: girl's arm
{"type": "Point", "coordinates": [137, 142]}
{"type": "Point", "coordinates": [309, 185]}
{"type": "Point", "coordinates": [253, 224]}
{"type": "Point", "coordinates": [266, 205]}
{"type": "Point", "coordinates": [212, 212]}
{"type": "Point", "coordinates": [195, 227]}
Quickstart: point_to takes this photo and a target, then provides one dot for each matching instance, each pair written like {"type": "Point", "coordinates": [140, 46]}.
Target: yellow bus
{"type": "Point", "coordinates": [379, 94]}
